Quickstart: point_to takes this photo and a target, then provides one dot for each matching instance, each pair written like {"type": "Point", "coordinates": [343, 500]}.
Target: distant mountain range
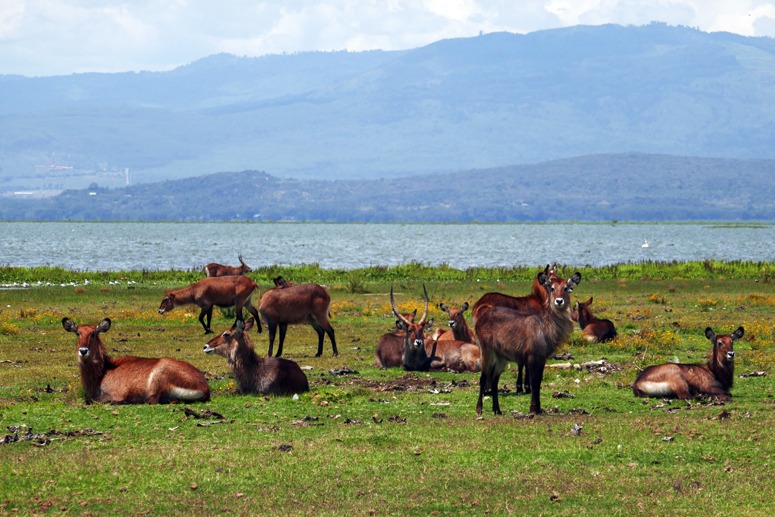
{"type": "Point", "coordinates": [615, 187]}
{"type": "Point", "coordinates": [496, 100]}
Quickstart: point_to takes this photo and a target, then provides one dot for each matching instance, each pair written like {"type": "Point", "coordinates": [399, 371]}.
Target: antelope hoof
{"type": "Point", "coordinates": [208, 331]}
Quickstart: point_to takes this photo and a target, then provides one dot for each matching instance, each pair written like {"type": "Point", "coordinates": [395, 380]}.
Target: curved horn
{"type": "Point", "coordinates": [397, 314]}
{"type": "Point", "coordinates": [425, 313]}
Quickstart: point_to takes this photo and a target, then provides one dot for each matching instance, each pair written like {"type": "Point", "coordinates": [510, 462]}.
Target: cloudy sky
{"type": "Point", "coordinates": [54, 37]}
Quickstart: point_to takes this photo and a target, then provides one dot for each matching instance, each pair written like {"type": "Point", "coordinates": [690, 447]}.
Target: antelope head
{"type": "Point", "coordinates": [722, 345]}
{"type": "Point", "coordinates": [559, 289]}
{"type": "Point", "coordinates": [455, 315]}
{"type": "Point", "coordinates": [227, 344]}
{"type": "Point", "coordinates": [245, 267]}
{"type": "Point", "coordinates": [89, 342]}
{"type": "Point", "coordinates": [412, 328]}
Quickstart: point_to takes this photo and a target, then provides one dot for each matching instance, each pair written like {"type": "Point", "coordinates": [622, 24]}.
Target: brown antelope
{"type": "Point", "coordinates": [295, 304]}
{"type": "Point", "coordinates": [214, 269]}
{"type": "Point", "coordinates": [460, 331]}
{"type": "Point", "coordinates": [390, 346]}
{"type": "Point", "coordinates": [594, 330]}
{"type": "Point", "coordinates": [226, 291]}
{"type": "Point", "coordinates": [684, 381]}
{"type": "Point", "coordinates": [421, 354]}
{"type": "Point", "coordinates": [507, 335]}
{"type": "Point", "coordinates": [270, 376]}
{"type": "Point", "coordinates": [535, 301]}
{"type": "Point", "coordinates": [132, 380]}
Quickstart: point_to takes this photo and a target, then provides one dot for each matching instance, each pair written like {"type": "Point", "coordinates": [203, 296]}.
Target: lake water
{"type": "Point", "coordinates": [161, 246]}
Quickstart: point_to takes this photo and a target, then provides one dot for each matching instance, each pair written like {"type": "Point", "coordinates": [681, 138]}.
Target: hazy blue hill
{"type": "Point", "coordinates": [624, 187]}
{"type": "Point", "coordinates": [489, 101]}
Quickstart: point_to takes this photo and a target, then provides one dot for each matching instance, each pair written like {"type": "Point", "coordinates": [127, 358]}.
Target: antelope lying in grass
{"type": "Point", "coordinates": [132, 380]}
{"type": "Point", "coordinates": [390, 346]}
{"type": "Point", "coordinates": [594, 330]}
{"type": "Point", "coordinates": [459, 329]}
{"type": "Point", "coordinates": [268, 376]}
{"type": "Point", "coordinates": [684, 381]}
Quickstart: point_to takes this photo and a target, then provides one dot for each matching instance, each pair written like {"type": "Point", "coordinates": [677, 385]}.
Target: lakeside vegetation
{"type": "Point", "coordinates": [376, 442]}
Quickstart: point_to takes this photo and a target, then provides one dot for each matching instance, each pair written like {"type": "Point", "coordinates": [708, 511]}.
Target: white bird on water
{"type": "Point", "coordinates": [645, 244]}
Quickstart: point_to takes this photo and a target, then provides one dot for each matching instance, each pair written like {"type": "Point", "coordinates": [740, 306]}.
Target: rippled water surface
{"type": "Point", "coordinates": [159, 246]}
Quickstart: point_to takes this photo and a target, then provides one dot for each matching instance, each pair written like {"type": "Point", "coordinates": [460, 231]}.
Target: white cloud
{"type": "Point", "coordinates": [45, 37]}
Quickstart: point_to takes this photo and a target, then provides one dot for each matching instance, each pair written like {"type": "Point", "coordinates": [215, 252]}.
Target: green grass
{"type": "Point", "coordinates": [387, 441]}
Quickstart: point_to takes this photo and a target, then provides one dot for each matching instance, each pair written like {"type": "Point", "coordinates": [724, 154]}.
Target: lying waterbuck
{"type": "Point", "coordinates": [214, 269]}
{"type": "Point", "coordinates": [459, 329]}
{"type": "Point", "coordinates": [390, 346]}
{"type": "Point", "coordinates": [295, 304]}
{"type": "Point", "coordinates": [225, 291]}
{"type": "Point", "coordinates": [530, 337]}
{"type": "Point", "coordinates": [132, 380]}
{"type": "Point", "coordinates": [270, 376]}
{"type": "Point", "coordinates": [593, 329]}
{"type": "Point", "coordinates": [684, 381]}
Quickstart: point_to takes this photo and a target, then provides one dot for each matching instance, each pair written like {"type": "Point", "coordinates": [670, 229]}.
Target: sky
{"type": "Point", "coordinates": [62, 37]}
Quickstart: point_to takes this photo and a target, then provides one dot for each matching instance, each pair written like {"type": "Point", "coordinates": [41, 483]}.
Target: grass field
{"type": "Point", "coordinates": [366, 441]}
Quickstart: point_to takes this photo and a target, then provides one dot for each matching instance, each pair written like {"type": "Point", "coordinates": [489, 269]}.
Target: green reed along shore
{"type": "Point", "coordinates": [368, 441]}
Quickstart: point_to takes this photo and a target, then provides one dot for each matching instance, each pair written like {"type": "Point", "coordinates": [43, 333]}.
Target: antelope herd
{"type": "Point", "coordinates": [525, 330]}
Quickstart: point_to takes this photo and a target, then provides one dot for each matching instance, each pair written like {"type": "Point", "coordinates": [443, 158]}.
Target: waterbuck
{"type": "Point", "coordinates": [214, 269]}
{"type": "Point", "coordinates": [295, 304]}
{"type": "Point", "coordinates": [460, 331]}
{"type": "Point", "coordinates": [684, 381]}
{"type": "Point", "coordinates": [593, 329]}
{"type": "Point", "coordinates": [530, 337]}
{"type": "Point", "coordinates": [390, 346]}
{"type": "Point", "coordinates": [534, 301]}
{"type": "Point", "coordinates": [132, 380]}
{"type": "Point", "coordinates": [269, 376]}
{"type": "Point", "coordinates": [224, 291]}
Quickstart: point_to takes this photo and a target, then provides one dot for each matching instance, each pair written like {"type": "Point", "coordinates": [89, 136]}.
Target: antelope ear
{"type": "Point", "coordinates": [710, 334]}
{"type": "Point", "coordinates": [69, 325]}
{"type": "Point", "coordinates": [738, 334]}
{"type": "Point", "coordinates": [429, 323]}
{"type": "Point", "coordinates": [464, 308]}
{"type": "Point", "coordinates": [575, 279]}
{"type": "Point", "coordinates": [443, 307]}
{"type": "Point", "coordinates": [543, 279]}
{"type": "Point", "coordinates": [239, 326]}
{"type": "Point", "coordinates": [104, 325]}
{"type": "Point", "coordinates": [589, 302]}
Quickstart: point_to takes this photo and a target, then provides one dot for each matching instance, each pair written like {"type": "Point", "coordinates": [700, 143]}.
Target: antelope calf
{"type": "Point", "coordinates": [528, 337]}
{"type": "Point", "coordinates": [295, 304]}
{"type": "Point", "coordinates": [214, 269]}
{"type": "Point", "coordinates": [270, 376]}
{"type": "Point", "coordinates": [226, 291]}
{"type": "Point", "coordinates": [132, 380]}
{"type": "Point", "coordinates": [593, 329]}
{"type": "Point", "coordinates": [684, 381]}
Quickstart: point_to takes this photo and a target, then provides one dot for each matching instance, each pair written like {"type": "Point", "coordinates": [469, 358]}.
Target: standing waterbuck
{"type": "Point", "coordinates": [684, 381]}
{"type": "Point", "coordinates": [214, 269]}
{"type": "Point", "coordinates": [270, 376]}
{"type": "Point", "coordinates": [132, 380]}
{"type": "Point", "coordinates": [529, 337]}
{"type": "Point", "coordinates": [295, 304]}
{"type": "Point", "coordinates": [224, 291]}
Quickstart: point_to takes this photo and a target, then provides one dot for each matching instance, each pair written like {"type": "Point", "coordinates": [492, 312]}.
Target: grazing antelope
{"type": "Point", "coordinates": [460, 331]}
{"type": "Point", "coordinates": [295, 304]}
{"type": "Point", "coordinates": [270, 376]}
{"type": "Point", "coordinates": [390, 346]}
{"type": "Point", "coordinates": [535, 301]}
{"type": "Point", "coordinates": [593, 329]}
{"type": "Point", "coordinates": [419, 354]}
{"type": "Point", "coordinates": [507, 335]}
{"type": "Point", "coordinates": [226, 291]}
{"type": "Point", "coordinates": [132, 380]}
{"type": "Point", "coordinates": [214, 269]}
{"type": "Point", "coordinates": [683, 381]}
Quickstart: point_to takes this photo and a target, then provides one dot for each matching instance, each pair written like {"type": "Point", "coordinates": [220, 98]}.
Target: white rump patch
{"type": "Point", "coordinates": [184, 394]}
{"type": "Point", "coordinates": [656, 389]}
